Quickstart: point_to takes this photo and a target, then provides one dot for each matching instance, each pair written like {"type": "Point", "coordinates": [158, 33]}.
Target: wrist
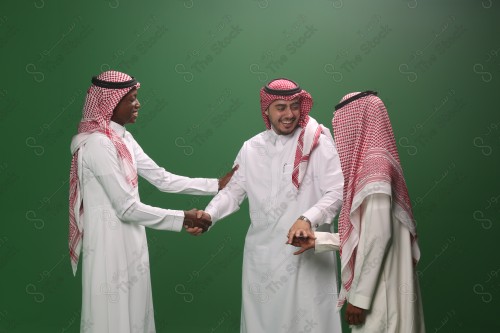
{"type": "Point", "coordinates": [303, 218]}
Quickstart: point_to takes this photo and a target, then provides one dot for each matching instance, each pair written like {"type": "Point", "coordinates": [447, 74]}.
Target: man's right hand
{"type": "Point", "coordinates": [196, 221]}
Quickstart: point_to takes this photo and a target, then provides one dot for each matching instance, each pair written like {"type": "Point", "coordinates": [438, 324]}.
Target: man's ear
{"type": "Point", "coordinates": [267, 112]}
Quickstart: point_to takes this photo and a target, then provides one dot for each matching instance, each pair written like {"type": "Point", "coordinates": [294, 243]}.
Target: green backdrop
{"type": "Point", "coordinates": [201, 64]}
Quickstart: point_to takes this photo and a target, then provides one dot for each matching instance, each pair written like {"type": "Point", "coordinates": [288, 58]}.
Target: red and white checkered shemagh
{"type": "Point", "coordinates": [308, 138]}
{"type": "Point", "coordinates": [368, 154]}
{"type": "Point", "coordinates": [97, 112]}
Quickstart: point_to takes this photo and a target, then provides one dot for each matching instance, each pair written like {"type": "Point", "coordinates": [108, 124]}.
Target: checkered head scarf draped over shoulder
{"type": "Point", "coordinates": [368, 155]}
{"type": "Point", "coordinates": [103, 96]}
{"type": "Point", "coordinates": [284, 89]}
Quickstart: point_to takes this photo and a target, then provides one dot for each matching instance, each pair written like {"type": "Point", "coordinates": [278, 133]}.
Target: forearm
{"type": "Point", "coordinates": [226, 202]}
{"type": "Point", "coordinates": [324, 210]}
{"type": "Point", "coordinates": [326, 241]}
{"type": "Point", "coordinates": [196, 186]}
{"type": "Point", "coordinates": [168, 182]}
{"type": "Point", "coordinates": [153, 217]}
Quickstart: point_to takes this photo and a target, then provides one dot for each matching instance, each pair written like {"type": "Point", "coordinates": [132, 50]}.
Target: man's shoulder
{"type": "Point", "coordinates": [325, 149]}
{"type": "Point", "coordinates": [97, 136]}
{"type": "Point", "coordinates": [98, 141]}
{"type": "Point", "coordinates": [256, 140]}
{"type": "Point", "coordinates": [258, 137]}
{"type": "Point", "coordinates": [326, 140]}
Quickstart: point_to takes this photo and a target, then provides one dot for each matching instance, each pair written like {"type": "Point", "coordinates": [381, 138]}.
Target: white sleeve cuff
{"type": "Point", "coordinates": [326, 241]}
{"type": "Point", "coordinates": [213, 186]}
{"type": "Point", "coordinates": [313, 214]}
{"type": "Point", "coordinates": [177, 222]}
{"type": "Point", "coordinates": [360, 301]}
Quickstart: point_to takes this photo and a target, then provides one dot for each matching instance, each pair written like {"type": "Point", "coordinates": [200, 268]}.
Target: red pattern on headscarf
{"type": "Point", "coordinates": [368, 154]}
{"type": "Point", "coordinates": [301, 154]}
{"type": "Point", "coordinates": [97, 112]}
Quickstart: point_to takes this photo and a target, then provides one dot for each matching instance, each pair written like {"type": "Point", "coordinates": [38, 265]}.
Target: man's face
{"type": "Point", "coordinates": [284, 115]}
{"type": "Point", "coordinates": [126, 111]}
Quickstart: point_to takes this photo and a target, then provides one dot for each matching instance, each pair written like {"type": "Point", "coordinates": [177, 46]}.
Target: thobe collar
{"type": "Point", "coordinates": [119, 129]}
{"type": "Point", "coordinates": [272, 137]}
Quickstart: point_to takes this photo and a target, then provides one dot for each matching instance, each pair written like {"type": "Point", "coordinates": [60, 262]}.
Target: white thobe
{"type": "Point", "coordinates": [282, 292]}
{"type": "Point", "coordinates": [385, 282]}
{"type": "Point", "coordinates": [115, 276]}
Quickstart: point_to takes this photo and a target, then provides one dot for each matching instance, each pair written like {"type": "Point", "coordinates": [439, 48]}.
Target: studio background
{"type": "Point", "coordinates": [201, 64]}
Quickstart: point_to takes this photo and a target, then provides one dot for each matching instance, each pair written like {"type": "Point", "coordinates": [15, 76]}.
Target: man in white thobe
{"type": "Point", "coordinates": [378, 240]}
{"type": "Point", "coordinates": [107, 218]}
{"type": "Point", "coordinates": [291, 175]}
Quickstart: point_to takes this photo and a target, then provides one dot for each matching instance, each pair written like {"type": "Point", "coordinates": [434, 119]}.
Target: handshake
{"type": "Point", "coordinates": [196, 221]}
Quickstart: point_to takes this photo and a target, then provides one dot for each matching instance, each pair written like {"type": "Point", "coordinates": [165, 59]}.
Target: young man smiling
{"type": "Point", "coordinates": [291, 175]}
{"type": "Point", "coordinates": [284, 115]}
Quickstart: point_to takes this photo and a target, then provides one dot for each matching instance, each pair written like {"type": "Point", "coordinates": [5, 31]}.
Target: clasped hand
{"type": "Point", "coordinates": [301, 235]}
{"type": "Point", "coordinates": [196, 221]}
